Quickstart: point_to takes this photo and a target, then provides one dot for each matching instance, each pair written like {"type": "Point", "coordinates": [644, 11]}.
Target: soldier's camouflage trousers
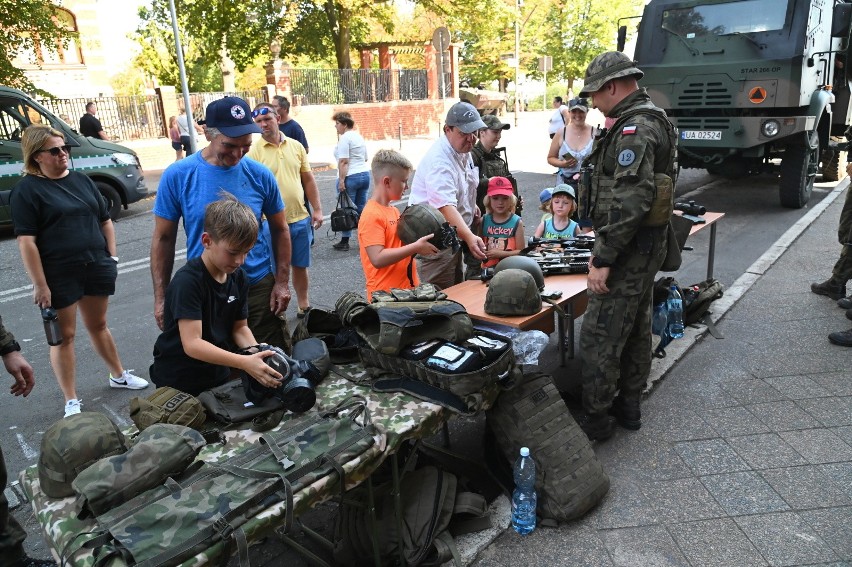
{"type": "Point", "coordinates": [11, 533]}
{"type": "Point", "coordinates": [842, 271]}
{"type": "Point", "coordinates": [264, 325]}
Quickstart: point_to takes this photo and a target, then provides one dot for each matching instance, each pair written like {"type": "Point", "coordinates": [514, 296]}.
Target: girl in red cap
{"type": "Point", "coordinates": [502, 229]}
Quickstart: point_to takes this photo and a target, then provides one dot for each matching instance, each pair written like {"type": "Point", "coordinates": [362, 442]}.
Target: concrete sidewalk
{"type": "Point", "coordinates": [745, 452]}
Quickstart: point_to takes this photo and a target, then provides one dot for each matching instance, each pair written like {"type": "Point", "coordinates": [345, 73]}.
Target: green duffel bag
{"type": "Point", "coordinates": [160, 452]}
{"type": "Point", "coordinates": [167, 405]}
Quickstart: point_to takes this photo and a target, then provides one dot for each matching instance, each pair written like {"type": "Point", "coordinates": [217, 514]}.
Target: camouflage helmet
{"type": "Point", "coordinates": [512, 292]}
{"type": "Point", "coordinates": [416, 221]}
{"type": "Point", "coordinates": [607, 66]}
{"type": "Point", "coordinates": [524, 263]}
{"type": "Point", "coordinates": [167, 405]}
{"type": "Point", "coordinates": [72, 444]}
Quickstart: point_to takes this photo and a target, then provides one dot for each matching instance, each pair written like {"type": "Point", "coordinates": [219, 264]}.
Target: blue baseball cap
{"type": "Point", "coordinates": [545, 195]}
{"type": "Point", "coordinates": [231, 116]}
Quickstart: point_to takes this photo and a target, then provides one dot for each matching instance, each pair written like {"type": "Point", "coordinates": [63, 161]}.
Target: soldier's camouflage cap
{"type": "Point", "coordinates": [493, 123]}
{"type": "Point", "coordinates": [607, 66]}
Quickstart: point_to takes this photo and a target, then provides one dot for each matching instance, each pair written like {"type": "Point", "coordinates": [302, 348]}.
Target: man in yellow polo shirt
{"type": "Point", "coordinates": [288, 161]}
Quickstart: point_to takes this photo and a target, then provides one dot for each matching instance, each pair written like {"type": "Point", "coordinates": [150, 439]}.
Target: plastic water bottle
{"type": "Point", "coordinates": [51, 326]}
{"type": "Point", "coordinates": [524, 498]}
{"type": "Point", "coordinates": [674, 306]}
{"type": "Point", "coordinates": [660, 319]}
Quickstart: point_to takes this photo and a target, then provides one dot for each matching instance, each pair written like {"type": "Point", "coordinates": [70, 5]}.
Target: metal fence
{"type": "Point", "coordinates": [346, 86]}
{"type": "Point", "coordinates": [199, 101]}
{"type": "Point", "coordinates": [123, 117]}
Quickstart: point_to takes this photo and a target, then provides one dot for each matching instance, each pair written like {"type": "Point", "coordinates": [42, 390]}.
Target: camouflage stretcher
{"type": "Point", "coordinates": [397, 417]}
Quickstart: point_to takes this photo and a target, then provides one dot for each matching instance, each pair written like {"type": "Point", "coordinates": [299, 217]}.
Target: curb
{"type": "Point", "coordinates": [678, 348]}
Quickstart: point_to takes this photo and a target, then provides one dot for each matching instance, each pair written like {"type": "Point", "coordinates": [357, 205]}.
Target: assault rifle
{"type": "Point", "coordinates": [565, 261]}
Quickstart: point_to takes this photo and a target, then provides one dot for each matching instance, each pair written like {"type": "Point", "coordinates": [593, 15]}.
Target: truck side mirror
{"type": "Point", "coordinates": [622, 37]}
{"type": "Point", "coordinates": [840, 20]}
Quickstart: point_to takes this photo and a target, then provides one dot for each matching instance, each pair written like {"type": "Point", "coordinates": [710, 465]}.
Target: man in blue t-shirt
{"type": "Point", "coordinates": [287, 125]}
{"type": "Point", "coordinates": [188, 185]}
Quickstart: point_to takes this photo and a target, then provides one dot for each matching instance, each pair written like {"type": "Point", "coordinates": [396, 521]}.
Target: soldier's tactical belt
{"type": "Point", "coordinates": [209, 505]}
{"type": "Point", "coordinates": [462, 392]}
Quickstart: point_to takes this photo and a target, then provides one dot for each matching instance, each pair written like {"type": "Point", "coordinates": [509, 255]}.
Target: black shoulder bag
{"type": "Point", "coordinates": [345, 216]}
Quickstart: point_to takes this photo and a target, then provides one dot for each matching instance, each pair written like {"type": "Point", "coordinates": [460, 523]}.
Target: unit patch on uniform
{"type": "Point", "coordinates": [626, 157]}
{"type": "Point", "coordinates": [628, 130]}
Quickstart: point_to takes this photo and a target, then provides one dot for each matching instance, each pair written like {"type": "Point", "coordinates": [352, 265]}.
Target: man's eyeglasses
{"type": "Point", "coordinates": [261, 112]}
{"type": "Point", "coordinates": [58, 150]}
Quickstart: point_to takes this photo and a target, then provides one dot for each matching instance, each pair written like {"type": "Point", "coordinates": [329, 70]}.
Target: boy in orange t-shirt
{"type": "Point", "coordinates": [383, 256]}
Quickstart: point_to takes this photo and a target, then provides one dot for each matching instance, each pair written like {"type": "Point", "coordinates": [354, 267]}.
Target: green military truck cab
{"type": "Point", "coordinates": [749, 83]}
{"type": "Point", "coordinates": [115, 169]}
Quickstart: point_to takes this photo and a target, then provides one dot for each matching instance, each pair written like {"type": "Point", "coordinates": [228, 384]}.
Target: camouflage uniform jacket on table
{"type": "Point", "coordinates": [490, 165]}
{"type": "Point", "coordinates": [616, 331]}
{"type": "Point", "coordinates": [397, 417]}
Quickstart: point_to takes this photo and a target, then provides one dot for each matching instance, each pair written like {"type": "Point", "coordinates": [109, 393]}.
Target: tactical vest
{"type": "Point", "coordinates": [595, 186]}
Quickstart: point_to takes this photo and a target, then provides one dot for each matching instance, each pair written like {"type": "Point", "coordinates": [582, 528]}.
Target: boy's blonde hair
{"type": "Point", "coordinates": [487, 202]}
{"type": "Point", "coordinates": [385, 161]}
{"type": "Point", "coordinates": [231, 221]}
{"type": "Point", "coordinates": [545, 207]}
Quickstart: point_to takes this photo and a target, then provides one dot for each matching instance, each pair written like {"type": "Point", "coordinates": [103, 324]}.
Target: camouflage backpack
{"type": "Point", "coordinates": [72, 444]}
{"type": "Point", "coordinates": [167, 405]}
{"type": "Point", "coordinates": [697, 299]}
{"type": "Point", "coordinates": [207, 509]}
{"type": "Point", "coordinates": [512, 292]}
{"type": "Point", "coordinates": [161, 451]}
{"type": "Point", "coordinates": [404, 317]}
{"type": "Point", "coordinates": [570, 480]}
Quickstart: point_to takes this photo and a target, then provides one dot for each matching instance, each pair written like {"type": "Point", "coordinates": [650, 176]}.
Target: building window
{"type": "Point", "coordinates": [69, 54]}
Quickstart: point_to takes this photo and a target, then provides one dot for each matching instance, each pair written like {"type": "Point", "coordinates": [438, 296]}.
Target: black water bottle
{"type": "Point", "coordinates": [51, 326]}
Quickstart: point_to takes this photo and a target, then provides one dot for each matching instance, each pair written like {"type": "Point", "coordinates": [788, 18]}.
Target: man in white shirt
{"type": "Point", "coordinates": [447, 179]}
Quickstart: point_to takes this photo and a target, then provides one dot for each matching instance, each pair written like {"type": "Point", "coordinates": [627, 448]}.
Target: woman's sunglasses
{"type": "Point", "coordinates": [261, 112]}
{"type": "Point", "coordinates": [58, 150]}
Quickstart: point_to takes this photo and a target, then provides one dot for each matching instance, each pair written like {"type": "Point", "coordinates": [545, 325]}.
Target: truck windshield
{"type": "Point", "coordinates": [745, 16]}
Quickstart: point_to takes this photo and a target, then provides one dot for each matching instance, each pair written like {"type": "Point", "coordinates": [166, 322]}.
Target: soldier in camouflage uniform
{"type": "Point", "coordinates": [630, 165]}
{"type": "Point", "coordinates": [835, 286]}
{"type": "Point", "coordinates": [12, 535]}
{"type": "Point", "coordinates": [486, 157]}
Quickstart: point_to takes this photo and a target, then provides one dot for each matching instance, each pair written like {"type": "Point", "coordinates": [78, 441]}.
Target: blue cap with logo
{"type": "Point", "coordinates": [231, 116]}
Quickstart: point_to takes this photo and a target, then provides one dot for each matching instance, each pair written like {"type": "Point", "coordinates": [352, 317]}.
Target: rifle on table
{"type": "Point", "coordinates": [565, 261]}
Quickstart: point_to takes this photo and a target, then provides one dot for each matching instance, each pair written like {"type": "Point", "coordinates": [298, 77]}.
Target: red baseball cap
{"type": "Point", "coordinates": [499, 186]}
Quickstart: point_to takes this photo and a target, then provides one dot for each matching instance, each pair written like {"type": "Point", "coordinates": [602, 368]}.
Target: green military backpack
{"type": "Point", "coordinates": [73, 444]}
{"type": "Point", "coordinates": [570, 480]}
{"type": "Point", "coordinates": [512, 292]}
{"type": "Point", "coordinates": [167, 405]}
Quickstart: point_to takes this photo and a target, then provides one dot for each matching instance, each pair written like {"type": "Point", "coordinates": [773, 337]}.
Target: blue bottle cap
{"type": "Point", "coordinates": [525, 452]}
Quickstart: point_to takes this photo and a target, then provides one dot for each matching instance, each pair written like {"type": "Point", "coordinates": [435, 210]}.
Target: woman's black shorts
{"type": "Point", "coordinates": [68, 283]}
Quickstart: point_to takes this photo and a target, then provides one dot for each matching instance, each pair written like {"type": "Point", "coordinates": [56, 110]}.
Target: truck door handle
{"type": "Point", "coordinates": [714, 52]}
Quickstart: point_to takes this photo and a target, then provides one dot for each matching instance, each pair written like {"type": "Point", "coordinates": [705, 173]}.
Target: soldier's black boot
{"type": "Point", "coordinates": [626, 412]}
{"type": "Point", "coordinates": [831, 288]}
{"type": "Point", "coordinates": [596, 426]}
{"type": "Point", "coordinates": [845, 302]}
{"type": "Point", "coordinates": [842, 338]}
{"type": "Point", "coordinates": [849, 313]}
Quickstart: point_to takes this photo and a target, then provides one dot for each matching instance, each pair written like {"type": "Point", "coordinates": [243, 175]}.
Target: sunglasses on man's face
{"type": "Point", "coordinates": [58, 150]}
{"type": "Point", "coordinates": [261, 112]}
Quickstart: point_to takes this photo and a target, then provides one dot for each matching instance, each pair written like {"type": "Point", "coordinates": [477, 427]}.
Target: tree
{"type": "Point", "coordinates": [29, 27]}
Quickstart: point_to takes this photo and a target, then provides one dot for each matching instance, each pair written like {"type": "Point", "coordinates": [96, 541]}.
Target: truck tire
{"type": "Point", "coordinates": [798, 170]}
{"type": "Point", "coordinates": [112, 197]}
{"type": "Point", "coordinates": [833, 165]}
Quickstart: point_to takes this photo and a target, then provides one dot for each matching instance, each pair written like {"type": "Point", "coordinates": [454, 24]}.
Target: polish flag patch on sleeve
{"type": "Point", "coordinates": [628, 130]}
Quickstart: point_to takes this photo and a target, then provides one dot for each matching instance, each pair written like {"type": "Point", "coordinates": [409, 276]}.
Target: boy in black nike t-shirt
{"type": "Point", "coordinates": [206, 308]}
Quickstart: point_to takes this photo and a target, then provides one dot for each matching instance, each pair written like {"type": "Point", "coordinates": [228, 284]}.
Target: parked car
{"type": "Point", "coordinates": [115, 169]}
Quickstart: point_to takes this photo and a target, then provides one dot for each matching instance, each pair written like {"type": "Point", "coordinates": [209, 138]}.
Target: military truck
{"type": "Point", "coordinates": [115, 169]}
{"type": "Point", "coordinates": [751, 82]}
{"type": "Point", "coordinates": [485, 101]}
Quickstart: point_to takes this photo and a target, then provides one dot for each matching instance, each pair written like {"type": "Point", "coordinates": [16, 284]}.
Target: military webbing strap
{"type": "Point", "coordinates": [650, 111]}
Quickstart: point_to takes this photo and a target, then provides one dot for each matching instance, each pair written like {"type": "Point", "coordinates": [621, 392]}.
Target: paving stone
{"type": "Point", "coordinates": [744, 493]}
{"type": "Point", "coordinates": [646, 458]}
{"type": "Point", "coordinates": [844, 433]}
{"type": "Point", "coordinates": [840, 474]}
{"type": "Point", "coordinates": [733, 421]}
{"type": "Point", "coordinates": [783, 415]}
{"type": "Point", "coordinates": [711, 456]}
{"type": "Point", "coordinates": [752, 391]}
{"type": "Point", "coordinates": [702, 395]}
{"type": "Point", "coordinates": [805, 487]}
{"type": "Point", "coordinates": [838, 383]}
{"type": "Point", "coordinates": [682, 500]}
{"type": "Point", "coordinates": [785, 539]}
{"type": "Point", "coordinates": [625, 505]}
{"type": "Point", "coordinates": [797, 387]}
{"type": "Point", "coordinates": [831, 412]}
{"type": "Point", "coordinates": [716, 543]}
{"type": "Point", "coordinates": [766, 451]}
{"type": "Point", "coordinates": [818, 445]}
{"type": "Point", "coordinates": [834, 526]}
{"type": "Point", "coordinates": [573, 545]}
{"type": "Point", "coordinates": [677, 424]}
{"type": "Point", "coordinates": [646, 546]}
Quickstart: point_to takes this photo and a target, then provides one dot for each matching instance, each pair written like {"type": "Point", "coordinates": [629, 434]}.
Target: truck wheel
{"type": "Point", "coordinates": [112, 198]}
{"type": "Point", "coordinates": [798, 170]}
{"type": "Point", "coordinates": [833, 165]}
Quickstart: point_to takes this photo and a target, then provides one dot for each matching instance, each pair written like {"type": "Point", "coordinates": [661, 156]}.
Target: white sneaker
{"type": "Point", "coordinates": [128, 381]}
{"type": "Point", "coordinates": [72, 407]}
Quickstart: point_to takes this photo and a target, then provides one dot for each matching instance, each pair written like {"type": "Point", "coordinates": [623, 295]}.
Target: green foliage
{"type": "Point", "coordinates": [28, 25]}
{"type": "Point", "coordinates": [128, 82]}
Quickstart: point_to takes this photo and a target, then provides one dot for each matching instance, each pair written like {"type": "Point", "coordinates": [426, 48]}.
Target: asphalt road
{"type": "Point", "coordinates": [754, 220]}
